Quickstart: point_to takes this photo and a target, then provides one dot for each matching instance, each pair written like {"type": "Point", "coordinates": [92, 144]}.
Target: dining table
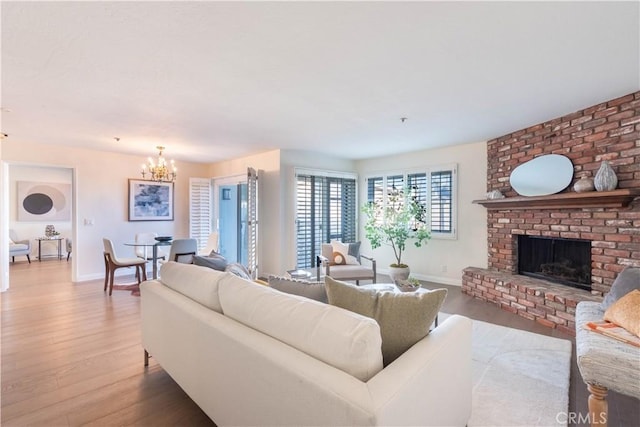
{"type": "Point", "coordinates": [154, 252]}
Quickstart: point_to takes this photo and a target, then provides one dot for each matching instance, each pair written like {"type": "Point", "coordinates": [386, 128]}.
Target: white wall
{"type": "Point", "coordinates": [470, 247]}
{"type": "Point", "coordinates": [101, 194]}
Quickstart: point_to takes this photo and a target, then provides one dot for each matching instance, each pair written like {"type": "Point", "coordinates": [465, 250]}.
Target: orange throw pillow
{"type": "Point", "coordinates": [626, 312]}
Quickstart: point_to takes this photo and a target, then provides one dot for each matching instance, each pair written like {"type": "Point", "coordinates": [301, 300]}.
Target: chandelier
{"type": "Point", "coordinates": [159, 171]}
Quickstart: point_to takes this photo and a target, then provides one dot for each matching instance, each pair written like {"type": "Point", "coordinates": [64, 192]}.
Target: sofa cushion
{"type": "Point", "coordinates": [342, 339]}
{"type": "Point", "coordinates": [627, 280]}
{"type": "Point", "coordinates": [311, 290]}
{"type": "Point", "coordinates": [626, 312]}
{"type": "Point", "coordinates": [404, 318]}
{"type": "Point", "coordinates": [195, 282]}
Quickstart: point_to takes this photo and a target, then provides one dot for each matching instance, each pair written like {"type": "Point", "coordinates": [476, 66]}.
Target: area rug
{"type": "Point", "coordinates": [519, 378]}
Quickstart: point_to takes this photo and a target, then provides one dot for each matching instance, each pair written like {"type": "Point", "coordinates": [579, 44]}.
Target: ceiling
{"type": "Point", "coordinates": [219, 80]}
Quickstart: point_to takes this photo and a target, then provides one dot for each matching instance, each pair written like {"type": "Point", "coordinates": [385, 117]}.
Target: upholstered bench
{"type": "Point", "coordinates": [605, 363]}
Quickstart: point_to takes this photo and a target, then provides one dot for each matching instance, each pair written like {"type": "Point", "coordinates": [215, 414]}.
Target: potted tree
{"type": "Point", "coordinates": [401, 220]}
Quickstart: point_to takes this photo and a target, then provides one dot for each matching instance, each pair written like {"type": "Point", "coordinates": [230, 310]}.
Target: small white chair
{"type": "Point", "coordinates": [112, 263]}
{"type": "Point", "coordinates": [19, 247]}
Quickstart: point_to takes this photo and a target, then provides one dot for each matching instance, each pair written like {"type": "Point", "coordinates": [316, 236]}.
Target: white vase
{"type": "Point", "coordinates": [399, 273]}
{"type": "Point", "coordinates": [583, 185]}
{"type": "Point", "coordinates": [606, 179]}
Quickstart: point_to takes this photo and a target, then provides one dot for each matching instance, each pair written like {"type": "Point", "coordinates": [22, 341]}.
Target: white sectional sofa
{"type": "Point", "coordinates": [249, 355]}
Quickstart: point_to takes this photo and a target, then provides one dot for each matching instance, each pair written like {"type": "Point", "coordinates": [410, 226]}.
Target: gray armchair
{"type": "Point", "coordinates": [345, 271]}
{"type": "Point", "coordinates": [19, 247]}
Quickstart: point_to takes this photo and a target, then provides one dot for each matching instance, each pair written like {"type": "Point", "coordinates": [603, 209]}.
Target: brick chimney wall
{"type": "Point", "coordinates": [606, 131]}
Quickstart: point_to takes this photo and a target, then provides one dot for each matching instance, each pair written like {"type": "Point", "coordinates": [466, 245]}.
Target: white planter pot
{"type": "Point", "coordinates": [399, 273]}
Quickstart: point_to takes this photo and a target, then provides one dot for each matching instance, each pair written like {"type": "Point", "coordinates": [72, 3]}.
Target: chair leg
{"type": "Point", "coordinates": [598, 406]}
{"type": "Point", "coordinates": [106, 274]}
{"type": "Point", "coordinates": [28, 259]}
{"type": "Point", "coordinates": [13, 259]}
{"type": "Point", "coordinates": [111, 279]}
{"type": "Point", "coordinates": [68, 254]}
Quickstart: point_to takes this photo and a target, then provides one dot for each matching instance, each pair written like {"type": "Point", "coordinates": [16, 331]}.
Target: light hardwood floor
{"type": "Point", "coordinates": [71, 355]}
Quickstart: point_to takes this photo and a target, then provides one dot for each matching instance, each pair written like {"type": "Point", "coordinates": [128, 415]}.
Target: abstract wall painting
{"type": "Point", "coordinates": [150, 201]}
{"type": "Point", "coordinates": [44, 201]}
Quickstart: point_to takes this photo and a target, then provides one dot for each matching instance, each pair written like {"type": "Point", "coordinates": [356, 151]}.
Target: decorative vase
{"type": "Point", "coordinates": [606, 179]}
{"type": "Point", "coordinates": [399, 273]}
{"type": "Point", "coordinates": [49, 230]}
{"type": "Point", "coordinates": [583, 185]}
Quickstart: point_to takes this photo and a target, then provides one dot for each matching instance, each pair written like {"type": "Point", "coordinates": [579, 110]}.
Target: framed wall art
{"type": "Point", "coordinates": [44, 201]}
{"type": "Point", "coordinates": [150, 200]}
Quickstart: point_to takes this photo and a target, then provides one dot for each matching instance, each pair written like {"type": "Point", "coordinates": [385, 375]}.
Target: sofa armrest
{"type": "Point", "coordinates": [433, 377]}
{"type": "Point", "coordinates": [373, 263]}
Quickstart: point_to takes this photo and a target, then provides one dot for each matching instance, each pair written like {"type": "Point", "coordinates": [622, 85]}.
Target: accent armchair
{"type": "Point", "coordinates": [355, 272]}
{"type": "Point", "coordinates": [18, 247]}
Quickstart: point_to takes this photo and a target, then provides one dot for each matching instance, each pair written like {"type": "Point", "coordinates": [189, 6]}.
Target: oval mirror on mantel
{"type": "Point", "coordinates": [544, 175]}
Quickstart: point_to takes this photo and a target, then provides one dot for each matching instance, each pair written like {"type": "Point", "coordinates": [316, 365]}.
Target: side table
{"type": "Point", "coordinates": [49, 239]}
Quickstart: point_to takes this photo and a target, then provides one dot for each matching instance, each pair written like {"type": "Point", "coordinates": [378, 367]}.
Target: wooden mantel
{"type": "Point", "coordinates": [592, 199]}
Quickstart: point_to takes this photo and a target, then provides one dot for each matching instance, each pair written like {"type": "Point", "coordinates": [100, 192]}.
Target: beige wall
{"type": "Point", "coordinates": [100, 189]}
{"type": "Point", "coordinates": [470, 247]}
{"type": "Point", "coordinates": [100, 186]}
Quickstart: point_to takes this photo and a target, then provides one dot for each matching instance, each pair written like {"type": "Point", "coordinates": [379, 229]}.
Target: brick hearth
{"type": "Point", "coordinates": [607, 131]}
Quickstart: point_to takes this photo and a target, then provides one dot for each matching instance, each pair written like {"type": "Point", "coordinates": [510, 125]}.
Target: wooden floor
{"type": "Point", "coordinates": [71, 355]}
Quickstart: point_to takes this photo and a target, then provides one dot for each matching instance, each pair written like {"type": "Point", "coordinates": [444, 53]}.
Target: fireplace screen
{"type": "Point", "coordinates": [564, 261]}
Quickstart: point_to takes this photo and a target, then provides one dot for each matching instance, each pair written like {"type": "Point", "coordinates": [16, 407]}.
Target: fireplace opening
{"type": "Point", "coordinates": [565, 261]}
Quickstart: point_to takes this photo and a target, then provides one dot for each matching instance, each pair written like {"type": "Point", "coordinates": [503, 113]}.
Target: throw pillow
{"type": "Point", "coordinates": [354, 250]}
{"type": "Point", "coordinates": [626, 312]}
{"type": "Point", "coordinates": [303, 288]}
{"type": "Point", "coordinates": [11, 242]}
{"type": "Point", "coordinates": [343, 249]}
{"type": "Point", "coordinates": [217, 261]}
{"type": "Point", "coordinates": [338, 259]}
{"type": "Point", "coordinates": [404, 318]}
{"type": "Point", "coordinates": [238, 270]}
{"type": "Point", "coordinates": [627, 280]}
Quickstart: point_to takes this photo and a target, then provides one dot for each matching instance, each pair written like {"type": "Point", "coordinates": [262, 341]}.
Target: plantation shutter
{"type": "Point", "coordinates": [325, 210]}
{"type": "Point", "coordinates": [200, 210]}
{"type": "Point", "coordinates": [442, 201]}
{"type": "Point", "coordinates": [252, 222]}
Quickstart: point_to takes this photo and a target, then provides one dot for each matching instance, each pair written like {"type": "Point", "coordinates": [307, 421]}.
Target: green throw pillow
{"type": "Point", "coordinates": [404, 318]}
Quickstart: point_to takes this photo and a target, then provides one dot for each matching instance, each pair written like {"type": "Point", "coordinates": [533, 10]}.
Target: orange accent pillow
{"type": "Point", "coordinates": [626, 312]}
{"type": "Point", "coordinates": [338, 259]}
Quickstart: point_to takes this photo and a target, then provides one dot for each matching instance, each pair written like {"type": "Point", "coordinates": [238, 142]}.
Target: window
{"type": "Point", "coordinates": [432, 188]}
{"type": "Point", "coordinates": [325, 210]}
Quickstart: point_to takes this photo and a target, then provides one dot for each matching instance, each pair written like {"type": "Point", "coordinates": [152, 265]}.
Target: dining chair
{"type": "Point", "coordinates": [212, 244]}
{"type": "Point", "coordinates": [183, 250]}
{"type": "Point", "coordinates": [143, 251]}
{"type": "Point", "coordinates": [112, 263]}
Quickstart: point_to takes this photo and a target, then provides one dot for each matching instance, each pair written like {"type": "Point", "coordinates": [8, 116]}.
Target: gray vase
{"type": "Point", "coordinates": [606, 179]}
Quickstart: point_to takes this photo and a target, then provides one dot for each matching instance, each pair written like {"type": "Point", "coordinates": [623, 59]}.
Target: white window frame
{"type": "Point", "coordinates": [452, 167]}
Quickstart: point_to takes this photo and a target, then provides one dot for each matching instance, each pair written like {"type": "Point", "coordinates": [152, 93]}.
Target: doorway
{"type": "Point", "coordinates": [232, 221]}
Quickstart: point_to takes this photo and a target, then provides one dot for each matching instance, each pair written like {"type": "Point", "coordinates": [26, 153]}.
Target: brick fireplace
{"type": "Point", "coordinates": [609, 221]}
